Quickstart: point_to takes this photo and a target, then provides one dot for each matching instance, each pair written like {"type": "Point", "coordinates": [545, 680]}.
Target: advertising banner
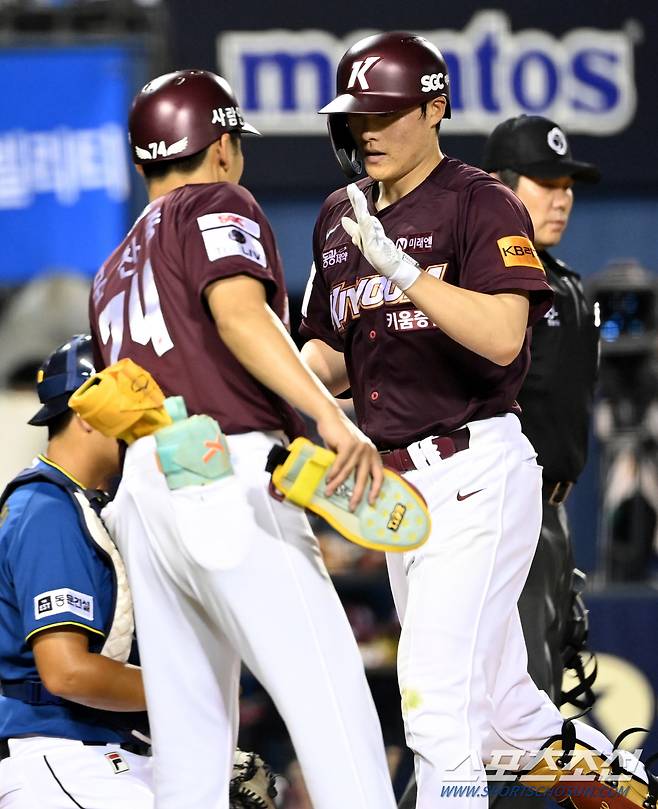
{"type": "Point", "coordinates": [590, 67]}
{"type": "Point", "coordinates": [64, 163]}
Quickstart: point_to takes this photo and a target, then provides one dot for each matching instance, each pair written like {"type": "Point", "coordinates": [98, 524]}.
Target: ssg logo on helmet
{"type": "Point", "coordinates": [434, 81]}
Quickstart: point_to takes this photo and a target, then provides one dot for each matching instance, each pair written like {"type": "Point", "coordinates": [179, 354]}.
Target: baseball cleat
{"type": "Point", "coordinates": [398, 521]}
{"type": "Point", "coordinates": [576, 775]}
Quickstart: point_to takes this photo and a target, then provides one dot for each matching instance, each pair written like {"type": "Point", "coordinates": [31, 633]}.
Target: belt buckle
{"type": "Point", "coordinates": [560, 492]}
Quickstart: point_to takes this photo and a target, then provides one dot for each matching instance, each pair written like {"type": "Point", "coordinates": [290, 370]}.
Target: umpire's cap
{"type": "Point", "coordinates": [61, 374]}
{"type": "Point", "coordinates": [536, 147]}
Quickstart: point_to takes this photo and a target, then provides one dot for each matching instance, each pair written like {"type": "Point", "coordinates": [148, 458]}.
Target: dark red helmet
{"type": "Point", "coordinates": [383, 73]}
{"type": "Point", "coordinates": [179, 114]}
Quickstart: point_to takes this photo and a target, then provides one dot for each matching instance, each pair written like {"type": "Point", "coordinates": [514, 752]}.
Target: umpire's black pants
{"type": "Point", "coordinates": [544, 607]}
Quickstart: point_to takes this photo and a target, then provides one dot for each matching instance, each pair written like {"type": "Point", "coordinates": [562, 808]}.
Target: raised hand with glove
{"type": "Point", "coordinates": [368, 235]}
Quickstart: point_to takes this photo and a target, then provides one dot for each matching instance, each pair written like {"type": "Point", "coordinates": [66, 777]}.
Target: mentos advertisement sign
{"type": "Point", "coordinates": [583, 78]}
{"type": "Point", "coordinates": [64, 163]}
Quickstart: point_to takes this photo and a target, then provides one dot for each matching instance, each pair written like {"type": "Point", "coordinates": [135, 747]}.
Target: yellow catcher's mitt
{"type": "Point", "coordinates": [123, 401]}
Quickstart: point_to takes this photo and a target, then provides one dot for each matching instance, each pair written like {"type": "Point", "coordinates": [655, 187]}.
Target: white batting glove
{"type": "Point", "coordinates": [368, 235]}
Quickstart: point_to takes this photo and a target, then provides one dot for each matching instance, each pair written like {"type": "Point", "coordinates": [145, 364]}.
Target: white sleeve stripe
{"type": "Point", "coordinates": [308, 291]}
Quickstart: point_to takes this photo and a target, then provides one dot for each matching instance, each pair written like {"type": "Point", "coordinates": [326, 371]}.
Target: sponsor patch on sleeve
{"type": "Point", "coordinates": [226, 219]}
{"type": "Point", "coordinates": [518, 251]}
{"type": "Point", "coordinates": [229, 234]}
{"type": "Point", "coordinates": [54, 602]}
{"type": "Point", "coordinates": [337, 255]}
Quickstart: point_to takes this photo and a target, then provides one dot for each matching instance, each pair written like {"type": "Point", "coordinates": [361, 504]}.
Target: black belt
{"type": "Point", "coordinates": [556, 492]}
{"type": "Point", "coordinates": [399, 460]}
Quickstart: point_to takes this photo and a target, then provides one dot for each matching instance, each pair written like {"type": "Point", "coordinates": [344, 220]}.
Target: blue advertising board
{"type": "Point", "coordinates": [64, 165]}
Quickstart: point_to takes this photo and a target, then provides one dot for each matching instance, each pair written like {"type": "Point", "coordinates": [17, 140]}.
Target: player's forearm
{"type": "Point", "coordinates": [99, 682]}
{"type": "Point", "coordinates": [327, 364]}
{"type": "Point", "coordinates": [492, 326]}
{"type": "Point", "coordinates": [258, 340]}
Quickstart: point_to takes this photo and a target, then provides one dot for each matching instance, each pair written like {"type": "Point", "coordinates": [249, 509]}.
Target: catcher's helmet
{"type": "Point", "coordinates": [383, 73]}
{"type": "Point", "coordinates": [179, 114]}
{"type": "Point", "coordinates": [60, 375]}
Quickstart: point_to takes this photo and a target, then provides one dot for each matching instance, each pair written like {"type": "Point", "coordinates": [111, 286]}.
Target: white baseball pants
{"type": "Point", "coordinates": [462, 662]}
{"type": "Point", "coordinates": [51, 773]}
{"type": "Point", "coordinates": [223, 573]}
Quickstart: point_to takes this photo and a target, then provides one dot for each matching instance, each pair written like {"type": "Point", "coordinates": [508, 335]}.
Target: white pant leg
{"type": "Point", "coordinates": [191, 672]}
{"type": "Point", "coordinates": [278, 609]}
{"type": "Point", "coordinates": [50, 773]}
{"type": "Point", "coordinates": [463, 585]}
{"type": "Point", "coordinates": [294, 636]}
{"type": "Point", "coordinates": [524, 717]}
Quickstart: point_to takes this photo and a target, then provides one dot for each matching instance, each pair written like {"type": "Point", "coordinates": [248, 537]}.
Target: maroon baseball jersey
{"type": "Point", "coordinates": [410, 380]}
{"type": "Point", "coordinates": [147, 302]}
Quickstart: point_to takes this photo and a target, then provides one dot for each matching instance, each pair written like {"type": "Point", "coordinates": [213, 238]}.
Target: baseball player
{"type": "Point", "coordinates": [70, 689]}
{"type": "Point", "coordinates": [532, 156]}
{"type": "Point", "coordinates": [425, 282]}
{"type": "Point", "coordinates": [195, 295]}
{"type": "Point", "coordinates": [68, 692]}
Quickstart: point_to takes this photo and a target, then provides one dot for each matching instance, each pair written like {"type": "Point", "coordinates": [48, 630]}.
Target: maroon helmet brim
{"type": "Point", "coordinates": [367, 103]}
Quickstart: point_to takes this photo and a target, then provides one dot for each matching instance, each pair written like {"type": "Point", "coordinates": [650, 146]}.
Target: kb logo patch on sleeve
{"type": "Point", "coordinates": [54, 602]}
{"type": "Point", "coordinates": [518, 251]}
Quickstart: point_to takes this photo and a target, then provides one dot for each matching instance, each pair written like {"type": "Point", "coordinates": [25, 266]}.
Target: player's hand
{"type": "Point", "coordinates": [354, 452]}
{"type": "Point", "coordinates": [368, 235]}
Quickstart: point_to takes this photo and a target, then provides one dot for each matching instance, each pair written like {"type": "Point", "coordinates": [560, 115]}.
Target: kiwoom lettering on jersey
{"type": "Point", "coordinates": [582, 77]}
{"type": "Point", "coordinates": [337, 255]}
{"type": "Point", "coordinates": [373, 291]}
{"type": "Point", "coordinates": [415, 243]}
{"type": "Point", "coordinates": [346, 302]}
{"type": "Point", "coordinates": [408, 320]}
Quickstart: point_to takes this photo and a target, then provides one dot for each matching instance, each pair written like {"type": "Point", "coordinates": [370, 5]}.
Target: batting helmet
{"type": "Point", "coordinates": [383, 73]}
{"type": "Point", "coordinates": [179, 114]}
{"type": "Point", "coordinates": [61, 374]}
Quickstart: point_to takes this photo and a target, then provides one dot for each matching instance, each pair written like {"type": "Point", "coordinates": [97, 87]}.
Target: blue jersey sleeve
{"type": "Point", "coordinates": [56, 574]}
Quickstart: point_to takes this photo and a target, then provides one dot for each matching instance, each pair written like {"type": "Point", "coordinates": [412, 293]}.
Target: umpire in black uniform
{"type": "Point", "coordinates": [531, 155]}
